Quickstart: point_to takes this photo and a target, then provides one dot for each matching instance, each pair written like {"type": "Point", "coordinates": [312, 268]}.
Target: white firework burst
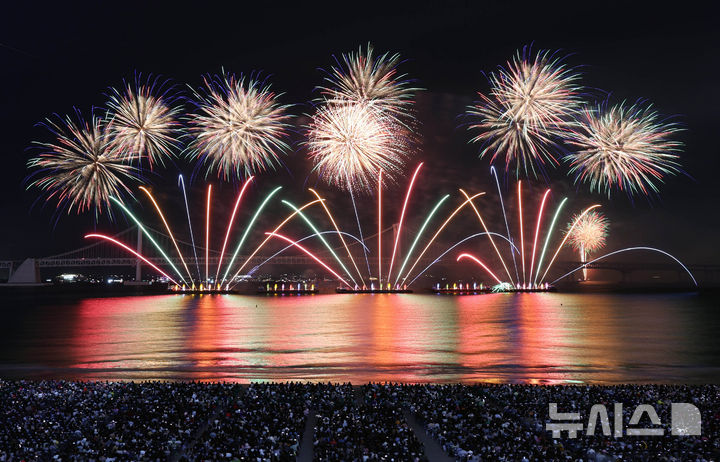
{"type": "Point", "coordinates": [628, 148]}
{"type": "Point", "coordinates": [143, 125]}
{"type": "Point", "coordinates": [349, 144]}
{"type": "Point", "coordinates": [239, 128]}
{"type": "Point", "coordinates": [530, 105]}
{"type": "Point", "coordinates": [79, 171]}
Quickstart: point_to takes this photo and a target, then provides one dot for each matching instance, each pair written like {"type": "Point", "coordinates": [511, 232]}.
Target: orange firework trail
{"type": "Point", "coordinates": [565, 239]}
{"type": "Point", "coordinates": [482, 222]}
{"type": "Point", "coordinates": [332, 220]}
{"type": "Point", "coordinates": [547, 238]}
{"type": "Point", "coordinates": [257, 249]}
{"type": "Point", "coordinates": [320, 236]}
{"type": "Point", "coordinates": [437, 233]}
{"type": "Point", "coordinates": [537, 230]}
{"type": "Point", "coordinates": [147, 235]}
{"type": "Point", "coordinates": [476, 260]}
{"type": "Point", "coordinates": [402, 217]}
{"type": "Point", "coordinates": [120, 244]}
{"type": "Point", "coordinates": [167, 227]}
{"type": "Point", "coordinates": [310, 254]}
{"type": "Point", "coordinates": [230, 223]}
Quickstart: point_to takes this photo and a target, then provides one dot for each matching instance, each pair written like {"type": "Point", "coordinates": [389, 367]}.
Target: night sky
{"type": "Point", "coordinates": [56, 57]}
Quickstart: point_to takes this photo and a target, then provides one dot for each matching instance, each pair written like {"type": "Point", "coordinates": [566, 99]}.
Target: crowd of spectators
{"type": "Point", "coordinates": [102, 421]}
{"type": "Point", "coordinates": [150, 421]}
{"type": "Point", "coordinates": [508, 422]}
{"type": "Point", "coordinates": [363, 424]}
{"type": "Point", "coordinates": [264, 423]}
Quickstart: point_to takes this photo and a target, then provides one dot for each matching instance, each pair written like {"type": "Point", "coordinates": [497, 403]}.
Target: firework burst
{"type": "Point", "coordinates": [350, 144]}
{"type": "Point", "coordinates": [373, 82]}
{"type": "Point", "coordinates": [530, 104]}
{"type": "Point", "coordinates": [239, 128]}
{"type": "Point", "coordinates": [79, 171]}
{"type": "Point", "coordinates": [142, 125]}
{"type": "Point", "coordinates": [628, 148]}
{"type": "Point", "coordinates": [589, 233]}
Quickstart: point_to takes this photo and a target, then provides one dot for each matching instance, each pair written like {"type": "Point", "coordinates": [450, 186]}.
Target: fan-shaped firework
{"type": "Point", "coordinates": [375, 82]}
{"type": "Point", "coordinates": [78, 170]}
{"type": "Point", "coordinates": [239, 127]}
{"type": "Point", "coordinates": [142, 125]}
{"type": "Point", "coordinates": [349, 144]}
{"type": "Point", "coordinates": [589, 233]}
{"type": "Point", "coordinates": [530, 104]}
{"type": "Point", "coordinates": [628, 148]}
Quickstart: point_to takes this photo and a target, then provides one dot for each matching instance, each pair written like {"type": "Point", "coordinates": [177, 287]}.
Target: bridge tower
{"type": "Point", "coordinates": [138, 263]}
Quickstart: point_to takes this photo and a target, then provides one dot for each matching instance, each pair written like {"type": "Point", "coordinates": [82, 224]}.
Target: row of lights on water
{"type": "Point", "coordinates": [381, 287]}
{"type": "Point", "coordinates": [504, 287]}
{"type": "Point", "coordinates": [456, 286]}
{"type": "Point", "coordinates": [201, 288]}
{"type": "Point", "coordinates": [299, 287]}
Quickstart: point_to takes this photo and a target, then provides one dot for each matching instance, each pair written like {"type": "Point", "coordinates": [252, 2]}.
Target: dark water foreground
{"type": "Point", "coordinates": [530, 338]}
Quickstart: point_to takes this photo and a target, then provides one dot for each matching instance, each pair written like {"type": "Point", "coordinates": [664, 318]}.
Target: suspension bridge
{"type": "Point", "coordinates": [101, 254]}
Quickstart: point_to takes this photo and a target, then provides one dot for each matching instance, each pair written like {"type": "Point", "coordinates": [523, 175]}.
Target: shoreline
{"type": "Point", "coordinates": [247, 383]}
{"type": "Point", "coordinates": [147, 290]}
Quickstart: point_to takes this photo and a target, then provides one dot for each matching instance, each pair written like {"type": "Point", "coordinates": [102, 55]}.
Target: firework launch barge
{"type": "Point", "coordinates": [477, 289]}
{"type": "Point", "coordinates": [345, 290]}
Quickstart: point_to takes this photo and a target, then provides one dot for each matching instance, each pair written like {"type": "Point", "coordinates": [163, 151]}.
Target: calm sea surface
{"type": "Point", "coordinates": [543, 338]}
